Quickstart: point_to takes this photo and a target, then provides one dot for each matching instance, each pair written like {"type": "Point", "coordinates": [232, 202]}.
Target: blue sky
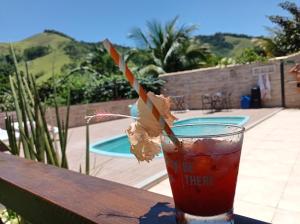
{"type": "Point", "coordinates": [94, 20]}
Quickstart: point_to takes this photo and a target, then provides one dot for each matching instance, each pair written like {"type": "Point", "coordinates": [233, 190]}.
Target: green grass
{"type": "Point", "coordinates": [47, 64]}
{"type": "Point", "coordinates": [4, 48]}
{"type": "Point", "coordinates": [42, 39]}
{"type": "Point", "coordinates": [228, 45]}
{"type": "Point", "coordinates": [239, 43]}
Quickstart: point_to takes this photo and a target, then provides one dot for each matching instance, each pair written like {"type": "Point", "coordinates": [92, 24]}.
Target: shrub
{"type": "Point", "coordinates": [35, 52]}
{"type": "Point", "coordinates": [76, 50]}
{"type": "Point", "coordinates": [6, 101]}
{"type": "Point", "coordinates": [58, 33]}
{"type": "Point", "coordinates": [249, 55]}
{"type": "Point", "coordinates": [96, 89]}
{"type": "Point", "coordinates": [117, 87]}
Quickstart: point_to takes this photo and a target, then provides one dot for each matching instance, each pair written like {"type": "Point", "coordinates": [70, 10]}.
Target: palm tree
{"type": "Point", "coordinates": [171, 47]}
{"type": "Point", "coordinates": [268, 47]}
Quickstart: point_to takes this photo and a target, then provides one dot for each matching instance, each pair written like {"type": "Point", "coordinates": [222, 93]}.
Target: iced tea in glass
{"type": "Point", "coordinates": [203, 171]}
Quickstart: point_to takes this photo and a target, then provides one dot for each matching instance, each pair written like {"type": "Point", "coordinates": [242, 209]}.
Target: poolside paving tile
{"type": "Point", "coordinates": [290, 202]}
{"type": "Point", "coordinates": [265, 169]}
{"type": "Point", "coordinates": [260, 190]}
{"type": "Point", "coordinates": [254, 211]}
{"type": "Point", "coordinates": [274, 155]}
{"type": "Point", "coordinates": [286, 217]}
{"type": "Point", "coordinates": [128, 170]}
{"type": "Point", "coordinates": [292, 189]}
{"type": "Point", "coordinates": [268, 187]}
{"type": "Point", "coordinates": [162, 188]}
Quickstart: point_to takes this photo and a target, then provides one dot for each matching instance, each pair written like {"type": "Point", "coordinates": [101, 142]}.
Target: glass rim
{"type": "Point", "coordinates": [241, 130]}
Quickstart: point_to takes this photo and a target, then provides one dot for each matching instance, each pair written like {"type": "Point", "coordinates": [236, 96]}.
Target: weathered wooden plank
{"type": "Point", "coordinates": [46, 194]}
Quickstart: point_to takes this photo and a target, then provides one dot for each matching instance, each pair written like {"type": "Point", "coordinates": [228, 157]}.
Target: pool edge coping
{"type": "Point", "coordinates": [115, 154]}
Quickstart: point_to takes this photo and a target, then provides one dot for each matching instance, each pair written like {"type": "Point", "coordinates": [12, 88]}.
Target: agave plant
{"type": "Point", "coordinates": [36, 141]}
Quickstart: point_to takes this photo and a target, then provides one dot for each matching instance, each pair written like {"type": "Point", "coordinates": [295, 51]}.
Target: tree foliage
{"type": "Point", "coordinates": [58, 33]}
{"type": "Point", "coordinates": [287, 32]}
{"type": "Point", "coordinates": [35, 52]}
{"type": "Point", "coordinates": [95, 88]}
{"type": "Point", "coordinates": [267, 47]}
{"type": "Point", "coordinates": [78, 51]}
{"type": "Point", "coordinates": [6, 69]}
{"type": "Point", "coordinates": [250, 55]}
{"type": "Point", "coordinates": [171, 48]}
{"type": "Point", "coordinates": [100, 61]}
{"type": "Point", "coordinates": [218, 40]}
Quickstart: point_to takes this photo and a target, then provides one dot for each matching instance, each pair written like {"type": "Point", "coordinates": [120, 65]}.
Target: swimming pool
{"type": "Point", "coordinates": [119, 145]}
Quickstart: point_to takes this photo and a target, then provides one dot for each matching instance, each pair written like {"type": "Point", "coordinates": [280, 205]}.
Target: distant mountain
{"type": "Point", "coordinates": [50, 51]}
{"type": "Point", "coordinates": [227, 44]}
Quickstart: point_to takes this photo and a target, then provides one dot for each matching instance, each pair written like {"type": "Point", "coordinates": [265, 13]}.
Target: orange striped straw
{"type": "Point", "coordinates": [140, 90]}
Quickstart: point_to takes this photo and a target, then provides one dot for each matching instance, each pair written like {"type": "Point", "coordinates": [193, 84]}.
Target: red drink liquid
{"type": "Point", "coordinates": [203, 175]}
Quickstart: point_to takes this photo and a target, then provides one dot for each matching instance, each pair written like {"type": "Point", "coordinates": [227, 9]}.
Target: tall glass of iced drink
{"type": "Point", "coordinates": [203, 171]}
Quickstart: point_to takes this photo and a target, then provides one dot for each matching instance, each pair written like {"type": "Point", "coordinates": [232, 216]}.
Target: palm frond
{"type": "Point", "coordinates": [171, 51]}
{"type": "Point", "coordinates": [138, 35]}
{"type": "Point", "coordinates": [170, 26]}
{"type": "Point", "coordinates": [155, 32]}
{"type": "Point", "coordinates": [151, 69]}
{"type": "Point", "coordinates": [172, 48]}
{"type": "Point", "coordinates": [196, 51]}
{"type": "Point", "coordinates": [130, 53]}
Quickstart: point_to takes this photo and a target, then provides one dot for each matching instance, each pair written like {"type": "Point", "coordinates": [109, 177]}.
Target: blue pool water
{"type": "Point", "coordinates": [119, 145]}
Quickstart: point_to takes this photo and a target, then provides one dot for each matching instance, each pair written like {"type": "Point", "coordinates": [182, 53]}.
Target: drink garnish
{"type": "Point", "coordinates": [144, 134]}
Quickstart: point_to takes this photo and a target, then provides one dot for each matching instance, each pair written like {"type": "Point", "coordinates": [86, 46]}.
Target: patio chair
{"type": "Point", "coordinates": [52, 129]}
{"type": "Point", "coordinates": [217, 101]}
{"type": "Point", "coordinates": [4, 135]}
{"type": "Point", "coordinates": [179, 103]}
{"type": "Point", "coordinates": [227, 100]}
{"type": "Point", "coordinates": [206, 102]}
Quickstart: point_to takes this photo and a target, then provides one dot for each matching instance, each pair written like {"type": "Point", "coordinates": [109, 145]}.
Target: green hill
{"type": "Point", "coordinates": [45, 65]}
{"type": "Point", "coordinates": [51, 50]}
{"type": "Point", "coordinates": [227, 44]}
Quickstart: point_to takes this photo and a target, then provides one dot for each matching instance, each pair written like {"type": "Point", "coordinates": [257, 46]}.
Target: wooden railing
{"type": "Point", "coordinates": [44, 194]}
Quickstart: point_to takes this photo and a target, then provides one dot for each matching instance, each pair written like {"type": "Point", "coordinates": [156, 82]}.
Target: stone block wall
{"type": "Point", "coordinates": [78, 112]}
{"type": "Point", "coordinates": [238, 80]}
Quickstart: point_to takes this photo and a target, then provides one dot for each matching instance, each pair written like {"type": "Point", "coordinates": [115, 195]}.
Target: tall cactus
{"type": "Point", "coordinates": [35, 140]}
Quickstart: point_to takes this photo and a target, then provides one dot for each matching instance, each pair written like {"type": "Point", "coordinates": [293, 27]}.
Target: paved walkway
{"type": "Point", "coordinates": [268, 186]}
{"type": "Point", "coordinates": [127, 170]}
